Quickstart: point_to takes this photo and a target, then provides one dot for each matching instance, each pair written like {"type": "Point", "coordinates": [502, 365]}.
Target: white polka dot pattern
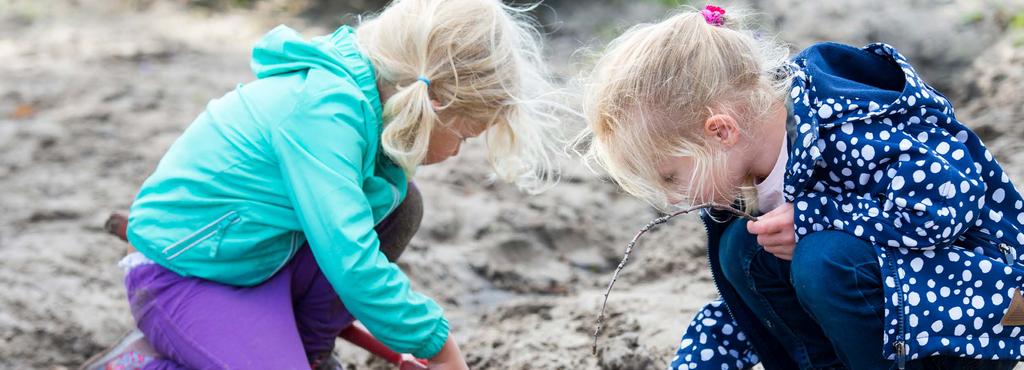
{"type": "Point", "coordinates": [713, 342]}
{"type": "Point", "coordinates": [895, 168]}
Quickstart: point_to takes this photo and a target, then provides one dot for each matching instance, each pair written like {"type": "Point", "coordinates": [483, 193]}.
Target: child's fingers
{"type": "Point", "coordinates": [756, 227]}
{"type": "Point", "coordinates": [766, 224]}
{"type": "Point", "coordinates": [774, 221]}
{"type": "Point", "coordinates": [773, 239]}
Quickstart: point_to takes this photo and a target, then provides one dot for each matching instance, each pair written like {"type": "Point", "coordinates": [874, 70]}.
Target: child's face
{"type": "Point", "coordinates": [727, 172]}
{"type": "Point", "coordinates": [447, 137]}
{"type": "Point", "coordinates": [676, 173]}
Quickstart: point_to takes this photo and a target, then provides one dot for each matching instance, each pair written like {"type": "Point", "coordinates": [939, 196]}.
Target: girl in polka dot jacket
{"type": "Point", "coordinates": [889, 236]}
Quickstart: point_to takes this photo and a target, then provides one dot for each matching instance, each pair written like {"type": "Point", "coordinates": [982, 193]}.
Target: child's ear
{"type": "Point", "coordinates": [723, 128]}
{"type": "Point", "coordinates": [435, 103]}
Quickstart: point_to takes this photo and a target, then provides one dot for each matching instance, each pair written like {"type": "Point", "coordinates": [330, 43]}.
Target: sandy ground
{"type": "Point", "coordinates": [93, 92]}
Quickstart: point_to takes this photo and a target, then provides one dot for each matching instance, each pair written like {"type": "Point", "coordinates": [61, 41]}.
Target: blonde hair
{"type": "Point", "coordinates": [655, 86]}
{"type": "Point", "coordinates": [483, 61]}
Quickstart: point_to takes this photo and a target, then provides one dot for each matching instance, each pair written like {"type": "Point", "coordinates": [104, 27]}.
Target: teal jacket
{"type": "Point", "coordinates": [293, 156]}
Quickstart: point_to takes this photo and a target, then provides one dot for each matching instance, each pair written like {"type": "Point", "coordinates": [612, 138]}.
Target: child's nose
{"type": "Point", "coordinates": [674, 199]}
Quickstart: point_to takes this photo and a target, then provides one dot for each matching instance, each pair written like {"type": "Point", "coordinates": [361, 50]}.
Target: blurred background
{"type": "Point", "coordinates": [92, 92]}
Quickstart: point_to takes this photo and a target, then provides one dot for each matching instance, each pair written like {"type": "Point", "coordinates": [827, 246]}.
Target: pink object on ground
{"type": "Point", "coordinates": [131, 352]}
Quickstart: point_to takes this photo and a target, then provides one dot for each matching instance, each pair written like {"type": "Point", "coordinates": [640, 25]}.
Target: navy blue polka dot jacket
{"type": "Point", "coordinates": [877, 153]}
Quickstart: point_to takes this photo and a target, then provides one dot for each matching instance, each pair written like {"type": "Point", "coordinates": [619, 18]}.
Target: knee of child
{"type": "Point", "coordinates": [822, 258]}
{"type": "Point", "coordinates": [401, 225]}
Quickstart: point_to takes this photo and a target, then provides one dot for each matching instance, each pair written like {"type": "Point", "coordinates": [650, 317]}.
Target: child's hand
{"type": "Point", "coordinates": [449, 358]}
{"type": "Point", "coordinates": [775, 232]}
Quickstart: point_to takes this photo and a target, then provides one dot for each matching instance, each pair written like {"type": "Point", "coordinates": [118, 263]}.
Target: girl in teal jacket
{"type": "Point", "coordinates": [263, 213]}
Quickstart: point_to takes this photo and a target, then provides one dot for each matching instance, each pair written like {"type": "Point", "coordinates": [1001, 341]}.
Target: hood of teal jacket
{"type": "Point", "coordinates": [283, 50]}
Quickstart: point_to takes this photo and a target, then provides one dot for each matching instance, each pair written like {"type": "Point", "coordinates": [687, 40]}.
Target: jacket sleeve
{"type": "Point", "coordinates": [714, 342]}
{"type": "Point", "coordinates": [933, 194]}
{"type": "Point", "coordinates": [321, 150]}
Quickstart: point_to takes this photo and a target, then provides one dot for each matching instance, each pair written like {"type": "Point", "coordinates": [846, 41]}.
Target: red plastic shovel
{"type": "Point", "coordinates": [357, 335]}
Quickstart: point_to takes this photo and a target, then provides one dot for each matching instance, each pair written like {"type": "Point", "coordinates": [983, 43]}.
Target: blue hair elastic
{"type": "Point", "coordinates": [424, 79]}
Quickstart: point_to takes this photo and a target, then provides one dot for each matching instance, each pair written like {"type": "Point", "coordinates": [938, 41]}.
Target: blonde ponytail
{"type": "Point", "coordinates": [410, 118]}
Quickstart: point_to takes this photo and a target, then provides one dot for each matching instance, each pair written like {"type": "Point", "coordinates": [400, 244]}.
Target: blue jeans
{"type": "Point", "coordinates": [827, 305]}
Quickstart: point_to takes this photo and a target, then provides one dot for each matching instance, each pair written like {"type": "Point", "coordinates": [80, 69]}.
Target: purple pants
{"type": "Point", "coordinates": [283, 323]}
{"type": "Point", "coordinates": [200, 324]}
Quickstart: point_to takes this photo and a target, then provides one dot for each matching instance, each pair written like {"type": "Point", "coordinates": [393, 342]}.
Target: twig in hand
{"type": "Point", "coordinates": [632, 243]}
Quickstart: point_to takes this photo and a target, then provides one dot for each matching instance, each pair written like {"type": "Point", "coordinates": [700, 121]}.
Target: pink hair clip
{"type": "Point", "coordinates": [714, 15]}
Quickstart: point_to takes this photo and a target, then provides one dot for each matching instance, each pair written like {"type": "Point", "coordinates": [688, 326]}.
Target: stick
{"type": "Point", "coordinates": [632, 243]}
